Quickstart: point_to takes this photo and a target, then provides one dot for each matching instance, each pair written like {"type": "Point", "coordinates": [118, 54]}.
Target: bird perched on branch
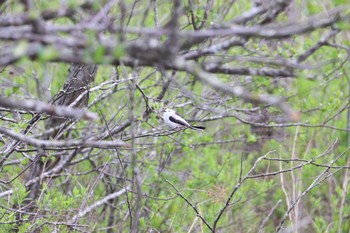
{"type": "Point", "coordinates": [175, 121]}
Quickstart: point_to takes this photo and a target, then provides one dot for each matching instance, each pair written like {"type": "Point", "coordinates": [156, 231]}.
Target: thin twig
{"type": "Point", "coordinates": [190, 204]}
{"type": "Point", "coordinates": [237, 186]}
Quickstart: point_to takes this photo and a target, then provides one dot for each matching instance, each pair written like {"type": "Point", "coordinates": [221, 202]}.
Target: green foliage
{"type": "Point", "coordinates": [74, 4]}
{"type": "Point", "coordinates": [118, 51]}
{"type": "Point", "coordinates": [46, 5]}
{"type": "Point", "coordinates": [34, 14]}
{"type": "Point", "coordinates": [343, 25]}
{"type": "Point", "coordinates": [99, 54]}
{"type": "Point", "coordinates": [11, 91]}
{"type": "Point", "coordinates": [21, 49]}
{"type": "Point", "coordinates": [313, 7]}
{"type": "Point", "coordinates": [48, 54]}
{"type": "Point", "coordinates": [205, 167]}
{"type": "Point", "coordinates": [304, 87]}
{"type": "Point", "coordinates": [340, 2]}
{"type": "Point", "coordinates": [19, 192]}
{"type": "Point", "coordinates": [24, 227]}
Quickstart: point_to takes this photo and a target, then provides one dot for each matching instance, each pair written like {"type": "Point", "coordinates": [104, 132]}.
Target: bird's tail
{"type": "Point", "coordinates": [197, 127]}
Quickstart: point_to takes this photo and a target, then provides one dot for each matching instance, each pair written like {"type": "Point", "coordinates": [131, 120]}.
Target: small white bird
{"type": "Point", "coordinates": [175, 121]}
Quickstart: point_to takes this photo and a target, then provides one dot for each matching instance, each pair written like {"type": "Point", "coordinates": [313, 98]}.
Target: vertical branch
{"type": "Point", "coordinates": [172, 43]}
{"type": "Point", "coordinates": [155, 10]}
{"type": "Point", "coordinates": [347, 173]}
{"type": "Point", "coordinates": [283, 186]}
{"type": "Point", "coordinates": [295, 184]}
{"type": "Point", "coordinates": [136, 171]}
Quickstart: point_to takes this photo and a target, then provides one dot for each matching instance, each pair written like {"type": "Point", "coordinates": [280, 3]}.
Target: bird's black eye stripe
{"type": "Point", "coordinates": [172, 119]}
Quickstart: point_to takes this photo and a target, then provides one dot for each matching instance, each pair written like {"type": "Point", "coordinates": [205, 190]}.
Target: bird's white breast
{"type": "Point", "coordinates": [166, 116]}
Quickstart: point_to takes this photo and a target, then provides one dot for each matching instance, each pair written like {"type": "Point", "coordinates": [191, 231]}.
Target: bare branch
{"type": "Point", "coordinates": [237, 186]}
{"type": "Point", "coordinates": [261, 227]}
{"type": "Point", "coordinates": [268, 72]}
{"type": "Point", "coordinates": [97, 204]}
{"type": "Point", "coordinates": [53, 110]}
{"type": "Point", "coordinates": [63, 143]}
{"type": "Point", "coordinates": [239, 92]}
{"type": "Point", "coordinates": [270, 31]}
{"type": "Point", "coordinates": [193, 206]}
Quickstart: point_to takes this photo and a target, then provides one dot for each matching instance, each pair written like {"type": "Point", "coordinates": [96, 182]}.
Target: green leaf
{"type": "Point", "coordinates": [342, 25]}
{"type": "Point", "coordinates": [99, 54]}
{"type": "Point", "coordinates": [96, 5]}
{"type": "Point", "coordinates": [20, 192]}
{"type": "Point", "coordinates": [252, 138]}
{"type": "Point", "coordinates": [34, 13]}
{"type": "Point", "coordinates": [313, 7]}
{"type": "Point", "coordinates": [118, 51]}
{"type": "Point", "coordinates": [156, 221]}
{"type": "Point", "coordinates": [23, 228]}
{"type": "Point", "coordinates": [15, 89]}
{"type": "Point", "coordinates": [11, 91]}
{"type": "Point", "coordinates": [48, 53]}
{"type": "Point", "coordinates": [340, 2]}
{"type": "Point", "coordinates": [73, 4]}
{"type": "Point", "coordinates": [305, 86]}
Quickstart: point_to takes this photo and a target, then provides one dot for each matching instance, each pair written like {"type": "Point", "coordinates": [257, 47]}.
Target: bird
{"type": "Point", "coordinates": [175, 121]}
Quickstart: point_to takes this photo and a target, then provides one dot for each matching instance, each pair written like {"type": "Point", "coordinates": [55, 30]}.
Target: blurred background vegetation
{"type": "Point", "coordinates": [260, 166]}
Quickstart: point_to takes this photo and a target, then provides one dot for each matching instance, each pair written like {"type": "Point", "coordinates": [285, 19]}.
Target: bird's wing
{"type": "Point", "coordinates": [178, 120]}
